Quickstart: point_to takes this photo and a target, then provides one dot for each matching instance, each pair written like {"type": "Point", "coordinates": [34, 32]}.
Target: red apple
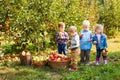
{"type": "Point", "coordinates": [51, 57]}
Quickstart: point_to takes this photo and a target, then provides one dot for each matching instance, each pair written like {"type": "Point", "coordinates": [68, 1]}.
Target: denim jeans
{"type": "Point", "coordinates": [62, 48]}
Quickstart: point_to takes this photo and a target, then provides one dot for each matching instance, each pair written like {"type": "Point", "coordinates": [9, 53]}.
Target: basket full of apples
{"type": "Point", "coordinates": [39, 61]}
{"type": "Point", "coordinates": [25, 58]}
{"type": "Point", "coordinates": [58, 61]}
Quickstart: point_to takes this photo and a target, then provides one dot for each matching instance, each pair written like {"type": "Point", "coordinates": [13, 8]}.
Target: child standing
{"type": "Point", "coordinates": [85, 43]}
{"type": "Point", "coordinates": [100, 40]}
{"type": "Point", "coordinates": [75, 50]}
{"type": "Point", "coordinates": [62, 38]}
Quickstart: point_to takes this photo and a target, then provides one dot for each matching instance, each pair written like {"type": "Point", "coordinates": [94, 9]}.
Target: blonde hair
{"type": "Point", "coordinates": [72, 29]}
{"type": "Point", "coordinates": [61, 24]}
{"type": "Point", "coordinates": [86, 23]}
{"type": "Point", "coordinates": [100, 27]}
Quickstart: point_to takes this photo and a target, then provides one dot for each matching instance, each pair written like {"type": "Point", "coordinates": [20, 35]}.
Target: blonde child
{"type": "Point", "coordinates": [62, 38]}
{"type": "Point", "coordinates": [85, 43]}
{"type": "Point", "coordinates": [75, 50]}
{"type": "Point", "coordinates": [100, 40]}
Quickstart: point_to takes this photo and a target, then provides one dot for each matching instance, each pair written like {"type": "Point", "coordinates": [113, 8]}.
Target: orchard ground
{"type": "Point", "coordinates": [111, 71]}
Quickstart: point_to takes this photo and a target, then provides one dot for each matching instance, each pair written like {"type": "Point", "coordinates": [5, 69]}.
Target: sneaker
{"type": "Point", "coordinates": [105, 62]}
{"type": "Point", "coordinates": [72, 69]}
{"type": "Point", "coordinates": [97, 63]}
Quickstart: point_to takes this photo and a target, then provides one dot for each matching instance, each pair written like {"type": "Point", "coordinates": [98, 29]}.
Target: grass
{"type": "Point", "coordinates": [111, 71]}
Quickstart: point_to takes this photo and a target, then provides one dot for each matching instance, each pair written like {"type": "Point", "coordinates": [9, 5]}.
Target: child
{"type": "Point", "coordinates": [62, 38]}
{"type": "Point", "coordinates": [75, 50]}
{"type": "Point", "coordinates": [100, 40]}
{"type": "Point", "coordinates": [85, 43]}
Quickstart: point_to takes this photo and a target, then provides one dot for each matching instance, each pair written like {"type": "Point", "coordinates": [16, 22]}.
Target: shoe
{"type": "Point", "coordinates": [105, 62]}
{"type": "Point", "coordinates": [72, 69]}
{"type": "Point", "coordinates": [87, 64]}
{"type": "Point", "coordinates": [97, 63]}
{"type": "Point", "coordinates": [82, 64]}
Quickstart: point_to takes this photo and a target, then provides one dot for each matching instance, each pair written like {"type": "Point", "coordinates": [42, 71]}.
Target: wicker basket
{"type": "Point", "coordinates": [26, 60]}
{"type": "Point", "coordinates": [59, 64]}
{"type": "Point", "coordinates": [39, 63]}
{"type": "Point", "coordinates": [105, 53]}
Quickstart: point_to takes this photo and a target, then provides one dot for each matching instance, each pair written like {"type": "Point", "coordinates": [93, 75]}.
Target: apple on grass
{"type": "Point", "coordinates": [23, 53]}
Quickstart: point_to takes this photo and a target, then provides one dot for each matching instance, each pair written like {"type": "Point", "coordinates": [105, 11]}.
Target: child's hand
{"type": "Point", "coordinates": [95, 42]}
{"type": "Point", "coordinates": [103, 51]}
{"type": "Point", "coordinates": [81, 35]}
{"type": "Point", "coordinates": [89, 40]}
{"type": "Point", "coordinates": [61, 34]}
{"type": "Point", "coordinates": [69, 48]}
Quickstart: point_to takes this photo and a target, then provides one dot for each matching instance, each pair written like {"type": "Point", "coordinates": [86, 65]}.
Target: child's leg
{"type": "Point", "coordinates": [64, 49]}
{"type": "Point", "coordinates": [105, 59]}
{"type": "Point", "coordinates": [98, 56]}
{"type": "Point", "coordinates": [75, 55]}
{"type": "Point", "coordinates": [60, 48]}
{"type": "Point", "coordinates": [87, 54]}
{"type": "Point", "coordinates": [82, 54]}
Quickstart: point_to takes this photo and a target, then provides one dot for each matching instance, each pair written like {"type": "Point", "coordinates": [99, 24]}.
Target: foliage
{"type": "Point", "coordinates": [15, 48]}
{"type": "Point", "coordinates": [35, 21]}
{"type": "Point", "coordinates": [110, 17]}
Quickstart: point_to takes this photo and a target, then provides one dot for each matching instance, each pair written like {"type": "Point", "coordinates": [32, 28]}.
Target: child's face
{"type": "Point", "coordinates": [85, 27]}
{"type": "Point", "coordinates": [62, 28]}
{"type": "Point", "coordinates": [72, 33]}
{"type": "Point", "coordinates": [98, 31]}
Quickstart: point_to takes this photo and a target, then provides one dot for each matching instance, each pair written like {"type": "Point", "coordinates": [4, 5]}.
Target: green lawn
{"type": "Point", "coordinates": [111, 71]}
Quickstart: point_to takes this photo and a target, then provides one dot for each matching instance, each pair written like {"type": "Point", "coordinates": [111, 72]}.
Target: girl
{"type": "Point", "coordinates": [100, 40]}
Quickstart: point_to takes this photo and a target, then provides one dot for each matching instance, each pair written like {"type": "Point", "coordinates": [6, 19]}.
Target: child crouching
{"type": "Point", "coordinates": [75, 50]}
{"type": "Point", "coordinates": [100, 40]}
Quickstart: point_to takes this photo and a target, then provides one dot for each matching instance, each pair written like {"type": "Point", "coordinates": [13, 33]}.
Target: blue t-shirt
{"type": "Point", "coordinates": [84, 44]}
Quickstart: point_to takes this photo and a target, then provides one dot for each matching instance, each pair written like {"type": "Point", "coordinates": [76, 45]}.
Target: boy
{"type": "Point", "coordinates": [62, 38]}
{"type": "Point", "coordinates": [85, 43]}
{"type": "Point", "coordinates": [75, 50]}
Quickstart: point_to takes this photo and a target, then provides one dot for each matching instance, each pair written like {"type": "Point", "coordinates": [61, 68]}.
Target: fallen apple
{"type": "Point", "coordinates": [23, 53]}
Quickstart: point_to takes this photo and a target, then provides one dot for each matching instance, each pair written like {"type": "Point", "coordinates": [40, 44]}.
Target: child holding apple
{"type": "Point", "coordinates": [62, 38]}
{"type": "Point", "coordinates": [85, 43]}
{"type": "Point", "coordinates": [75, 50]}
{"type": "Point", "coordinates": [100, 40]}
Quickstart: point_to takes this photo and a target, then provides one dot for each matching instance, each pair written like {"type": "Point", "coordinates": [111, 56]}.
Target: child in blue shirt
{"type": "Point", "coordinates": [85, 43]}
{"type": "Point", "coordinates": [100, 40]}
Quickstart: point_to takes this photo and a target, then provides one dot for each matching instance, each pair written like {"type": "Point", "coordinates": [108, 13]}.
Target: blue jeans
{"type": "Point", "coordinates": [62, 48]}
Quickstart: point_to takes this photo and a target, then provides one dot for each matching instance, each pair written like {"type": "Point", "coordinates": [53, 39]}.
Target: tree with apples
{"type": "Point", "coordinates": [32, 24]}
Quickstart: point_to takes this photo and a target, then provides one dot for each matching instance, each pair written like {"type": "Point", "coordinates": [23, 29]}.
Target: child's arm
{"type": "Point", "coordinates": [105, 42]}
{"type": "Point", "coordinates": [94, 40]}
{"type": "Point", "coordinates": [91, 38]}
{"type": "Point", "coordinates": [57, 37]}
{"type": "Point", "coordinates": [75, 42]}
{"type": "Point", "coordinates": [81, 34]}
{"type": "Point", "coordinates": [66, 37]}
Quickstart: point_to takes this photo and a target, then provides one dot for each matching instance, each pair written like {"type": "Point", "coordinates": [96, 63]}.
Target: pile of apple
{"type": "Point", "coordinates": [58, 57]}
